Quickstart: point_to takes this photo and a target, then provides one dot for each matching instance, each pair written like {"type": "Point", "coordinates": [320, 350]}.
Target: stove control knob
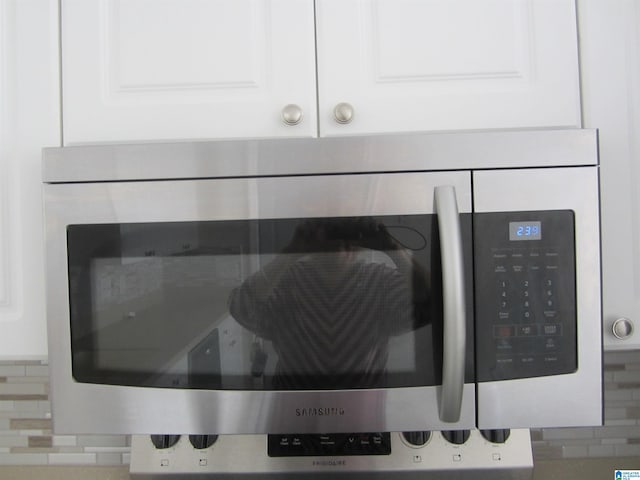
{"type": "Point", "coordinates": [496, 436]}
{"type": "Point", "coordinates": [416, 438]}
{"type": "Point", "coordinates": [201, 442]}
{"type": "Point", "coordinates": [162, 442]}
{"type": "Point", "coordinates": [457, 437]}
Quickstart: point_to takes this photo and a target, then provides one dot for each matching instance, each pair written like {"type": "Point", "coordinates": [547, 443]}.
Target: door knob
{"type": "Point", "coordinates": [622, 328]}
{"type": "Point", "coordinates": [292, 114]}
{"type": "Point", "coordinates": [343, 113]}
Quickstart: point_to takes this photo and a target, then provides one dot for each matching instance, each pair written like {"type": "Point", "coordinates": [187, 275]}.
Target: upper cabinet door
{"type": "Point", "coordinates": [610, 62]}
{"type": "Point", "coordinates": [406, 65]}
{"type": "Point", "coordinates": [140, 70]}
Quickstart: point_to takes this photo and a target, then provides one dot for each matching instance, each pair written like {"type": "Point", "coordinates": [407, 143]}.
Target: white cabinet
{"type": "Point", "coordinates": [136, 70]}
{"type": "Point", "coordinates": [29, 120]}
{"type": "Point", "coordinates": [406, 65]}
{"type": "Point", "coordinates": [140, 70]}
{"type": "Point", "coordinates": [610, 54]}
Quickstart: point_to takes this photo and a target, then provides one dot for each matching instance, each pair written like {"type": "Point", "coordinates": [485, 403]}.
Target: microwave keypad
{"type": "Point", "coordinates": [526, 315]}
{"type": "Point", "coordinates": [525, 294]}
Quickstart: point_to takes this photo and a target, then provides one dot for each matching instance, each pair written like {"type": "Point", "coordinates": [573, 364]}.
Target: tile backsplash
{"type": "Point", "coordinates": [620, 434]}
{"type": "Point", "coordinates": [26, 437]}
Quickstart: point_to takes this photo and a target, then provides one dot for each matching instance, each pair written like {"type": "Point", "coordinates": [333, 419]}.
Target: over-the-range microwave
{"type": "Point", "coordinates": [380, 283]}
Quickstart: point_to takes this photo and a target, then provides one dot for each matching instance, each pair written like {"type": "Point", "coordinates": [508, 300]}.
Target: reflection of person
{"type": "Point", "coordinates": [328, 312]}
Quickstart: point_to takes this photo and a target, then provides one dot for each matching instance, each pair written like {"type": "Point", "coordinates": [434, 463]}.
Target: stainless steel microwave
{"type": "Point", "coordinates": [382, 283]}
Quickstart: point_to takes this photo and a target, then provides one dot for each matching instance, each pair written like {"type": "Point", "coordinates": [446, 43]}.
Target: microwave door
{"type": "Point", "coordinates": [216, 305]}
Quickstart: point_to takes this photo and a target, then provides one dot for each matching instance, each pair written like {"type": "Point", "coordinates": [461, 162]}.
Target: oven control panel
{"type": "Point", "coordinates": [344, 444]}
{"type": "Point", "coordinates": [501, 454]}
{"type": "Point", "coordinates": [525, 294]}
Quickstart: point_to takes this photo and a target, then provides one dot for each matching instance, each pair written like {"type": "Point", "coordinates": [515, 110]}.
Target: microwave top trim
{"type": "Point", "coordinates": [316, 156]}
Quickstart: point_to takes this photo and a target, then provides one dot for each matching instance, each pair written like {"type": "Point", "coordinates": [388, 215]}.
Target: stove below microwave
{"type": "Point", "coordinates": [382, 283]}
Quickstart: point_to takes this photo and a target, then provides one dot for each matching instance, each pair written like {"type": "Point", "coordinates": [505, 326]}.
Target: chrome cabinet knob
{"type": "Point", "coordinates": [292, 114]}
{"type": "Point", "coordinates": [343, 113]}
{"type": "Point", "coordinates": [622, 328]}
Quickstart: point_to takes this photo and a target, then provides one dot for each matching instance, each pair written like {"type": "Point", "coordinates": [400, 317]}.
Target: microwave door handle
{"type": "Point", "coordinates": [454, 304]}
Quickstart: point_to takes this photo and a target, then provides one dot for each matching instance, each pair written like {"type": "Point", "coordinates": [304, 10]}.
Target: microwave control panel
{"type": "Point", "coordinates": [525, 294]}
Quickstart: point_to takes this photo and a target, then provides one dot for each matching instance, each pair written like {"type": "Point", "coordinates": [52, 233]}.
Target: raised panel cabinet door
{"type": "Point", "coordinates": [146, 70]}
{"type": "Point", "coordinates": [408, 65]}
{"type": "Point", "coordinates": [29, 120]}
{"type": "Point", "coordinates": [610, 65]}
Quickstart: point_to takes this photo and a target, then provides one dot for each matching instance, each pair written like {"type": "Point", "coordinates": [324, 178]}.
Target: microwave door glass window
{"type": "Point", "coordinates": [280, 304]}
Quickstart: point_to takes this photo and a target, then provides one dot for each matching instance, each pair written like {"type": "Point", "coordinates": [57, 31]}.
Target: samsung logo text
{"type": "Point", "coordinates": [320, 412]}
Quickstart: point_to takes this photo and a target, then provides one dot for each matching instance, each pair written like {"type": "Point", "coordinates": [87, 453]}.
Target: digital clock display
{"type": "Point", "coordinates": [525, 231]}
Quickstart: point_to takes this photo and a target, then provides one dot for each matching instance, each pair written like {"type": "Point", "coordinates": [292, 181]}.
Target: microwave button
{"type": "Point", "coordinates": [504, 360]}
{"type": "Point", "coordinates": [527, 317]}
{"type": "Point", "coordinates": [518, 268]}
{"type": "Point", "coordinates": [528, 330]}
{"type": "Point", "coordinates": [504, 345]}
{"type": "Point", "coordinates": [504, 331]}
{"type": "Point", "coordinates": [528, 360]}
{"type": "Point", "coordinates": [551, 344]}
{"type": "Point", "coordinates": [549, 304]}
{"type": "Point", "coordinates": [534, 267]}
{"type": "Point", "coordinates": [553, 329]}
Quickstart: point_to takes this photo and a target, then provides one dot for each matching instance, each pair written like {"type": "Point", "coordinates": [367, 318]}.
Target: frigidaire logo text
{"type": "Point", "coordinates": [320, 412]}
{"type": "Point", "coordinates": [329, 463]}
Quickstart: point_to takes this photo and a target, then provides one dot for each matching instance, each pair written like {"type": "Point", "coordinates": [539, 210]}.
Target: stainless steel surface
{"type": "Point", "coordinates": [247, 454]}
{"type": "Point", "coordinates": [559, 469]}
{"type": "Point", "coordinates": [92, 408]}
{"type": "Point", "coordinates": [454, 304]}
{"type": "Point", "coordinates": [622, 328]}
{"type": "Point", "coordinates": [343, 113]}
{"type": "Point", "coordinates": [281, 179]}
{"type": "Point", "coordinates": [292, 114]}
{"type": "Point", "coordinates": [574, 399]}
{"type": "Point", "coordinates": [410, 152]}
